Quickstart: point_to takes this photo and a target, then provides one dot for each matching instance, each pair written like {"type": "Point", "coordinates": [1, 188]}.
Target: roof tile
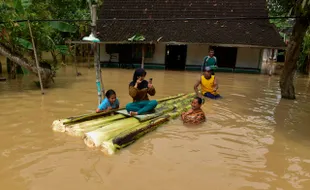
{"type": "Point", "coordinates": [194, 30]}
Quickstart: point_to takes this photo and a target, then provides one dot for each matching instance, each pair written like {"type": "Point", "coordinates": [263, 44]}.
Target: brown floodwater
{"type": "Point", "coordinates": [252, 139]}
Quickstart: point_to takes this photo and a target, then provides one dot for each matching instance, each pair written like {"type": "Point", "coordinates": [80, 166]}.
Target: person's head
{"type": "Point", "coordinates": [211, 52]}
{"type": "Point", "coordinates": [196, 103]}
{"type": "Point", "coordinates": [111, 95]}
{"type": "Point", "coordinates": [207, 71]}
{"type": "Point", "coordinates": [139, 73]}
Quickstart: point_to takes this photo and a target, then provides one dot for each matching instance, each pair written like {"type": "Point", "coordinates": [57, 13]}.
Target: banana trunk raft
{"type": "Point", "coordinates": [114, 130]}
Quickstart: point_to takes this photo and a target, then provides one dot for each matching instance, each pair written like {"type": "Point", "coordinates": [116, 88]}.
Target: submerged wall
{"type": "Point", "coordinates": [104, 57]}
{"type": "Point", "coordinates": [158, 56]}
{"type": "Point", "coordinates": [248, 58]}
{"type": "Point", "coordinates": [196, 53]}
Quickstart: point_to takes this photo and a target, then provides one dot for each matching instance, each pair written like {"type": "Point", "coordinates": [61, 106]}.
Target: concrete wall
{"type": "Point", "coordinates": [268, 53]}
{"type": "Point", "coordinates": [196, 53]}
{"type": "Point", "coordinates": [248, 58]}
{"type": "Point", "coordinates": [159, 55]}
{"type": "Point", "coordinates": [106, 57]}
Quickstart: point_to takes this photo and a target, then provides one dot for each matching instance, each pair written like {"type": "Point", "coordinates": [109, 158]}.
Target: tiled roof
{"type": "Point", "coordinates": [189, 25]}
{"type": "Point", "coordinates": [183, 8]}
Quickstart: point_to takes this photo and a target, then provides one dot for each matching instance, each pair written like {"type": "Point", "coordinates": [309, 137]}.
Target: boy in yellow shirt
{"type": "Point", "coordinates": [209, 85]}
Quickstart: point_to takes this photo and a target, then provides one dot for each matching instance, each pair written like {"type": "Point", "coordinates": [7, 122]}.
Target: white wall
{"type": "Point", "coordinates": [248, 58]}
{"type": "Point", "coordinates": [196, 53]}
{"type": "Point", "coordinates": [159, 55]}
{"type": "Point", "coordinates": [267, 54]}
{"type": "Point", "coordinates": [106, 57]}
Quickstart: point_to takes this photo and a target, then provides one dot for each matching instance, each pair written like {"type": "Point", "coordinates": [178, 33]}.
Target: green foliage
{"type": "Point", "coordinates": [305, 54]}
{"type": "Point", "coordinates": [24, 43]}
{"type": "Point", "coordinates": [62, 27]}
{"type": "Point", "coordinates": [136, 38]}
{"type": "Point", "coordinates": [279, 7]}
{"type": "Point", "coordinates": [48, 36]}
{"type": "Point", "coordinates": [292, 8]}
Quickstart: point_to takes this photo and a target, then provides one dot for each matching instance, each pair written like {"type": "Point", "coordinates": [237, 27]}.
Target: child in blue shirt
{"type": "Point", "coordinates": [110, 102]}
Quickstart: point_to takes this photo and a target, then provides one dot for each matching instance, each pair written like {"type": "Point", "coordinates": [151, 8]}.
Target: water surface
{"type": "Point", "coordinates": [252, 139]}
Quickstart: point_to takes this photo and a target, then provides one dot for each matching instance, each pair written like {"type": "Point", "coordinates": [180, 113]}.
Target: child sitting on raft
{"type": "Point", "coordinates": [139, 90]}
{"type": "Point", "coordinates": [195, 115]}
{"type": "Point", "coordinates": [110, 102]}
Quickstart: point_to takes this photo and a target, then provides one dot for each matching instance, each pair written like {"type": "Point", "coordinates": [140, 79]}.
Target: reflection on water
{"type": "Point", "coordinates": [252, 139]}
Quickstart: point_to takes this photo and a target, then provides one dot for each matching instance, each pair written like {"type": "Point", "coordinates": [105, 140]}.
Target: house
{"type": "Point", "coordinates": [179, 33]}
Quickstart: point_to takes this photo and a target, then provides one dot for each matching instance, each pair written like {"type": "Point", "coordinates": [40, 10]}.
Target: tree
{"type": "Point", "coordinates": [15, 37]}
{"type": "Point", "coordinates": [301, 10]}
{"type": "Point", "coordinates": [49, 36]}
{"type": "Point", "coordinates": [304, 60]}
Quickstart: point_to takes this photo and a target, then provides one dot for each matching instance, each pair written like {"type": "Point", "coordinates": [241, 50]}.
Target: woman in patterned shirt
{"type": "Point", "coordinates": [195, 115]}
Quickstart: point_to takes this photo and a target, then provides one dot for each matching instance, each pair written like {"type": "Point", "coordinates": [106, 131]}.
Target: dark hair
{"type": "Point", "coordinates": [211, 50]}
{"type": "Point", "coordinates": [199, 100]}
{"type": "Point", "coordinates": [109, 93]}
{"type": "Point", "coordinates": [138, 73]}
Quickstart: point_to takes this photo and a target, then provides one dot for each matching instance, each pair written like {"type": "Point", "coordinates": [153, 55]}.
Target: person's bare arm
{"type": "Point", "coordinates": [99, 111]}
{"type": "Point", "coordinates": [196, 86]}
{"type": "Point", "coordinates": [151, 90]}
{"type": "Point", "coordinates": [216, 86]}
{"type": "Point", "coordinates": [186, 113]}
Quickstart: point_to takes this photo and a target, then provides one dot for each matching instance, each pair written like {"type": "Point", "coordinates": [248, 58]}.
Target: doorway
{"type": "Point", "coordinates": [126, 59]}
{"type": "Point", "coordinates": [226, 56]}
{"type": "Point", "coordinates": [176, 57]}
{"type": "Point", "coordinates": [281, 56]}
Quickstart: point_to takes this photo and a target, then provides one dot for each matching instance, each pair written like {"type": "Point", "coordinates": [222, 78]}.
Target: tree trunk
{"type": "Point", "coordinates": [308, 65]}
{"type": "Point", "coordinates": [47, 74]}
{"type": "Point", "coordinates": [63, 59]}
{"type": "Point", "coordinates": [292, 55]}
{"type": "Point", "coordinates": [54, 56]}
{"type": "Point", "coordinates": [11, 69]}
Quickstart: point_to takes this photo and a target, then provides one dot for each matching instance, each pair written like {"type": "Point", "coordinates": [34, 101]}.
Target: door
{"type": "Point", "coordinates": [125, 54]}
{"type": "Point", "coordinates": [226, 56]}
{"type": "Point", "coordinates": [176, 57]}
{"type": "Point", "coordinates": [281, 56]}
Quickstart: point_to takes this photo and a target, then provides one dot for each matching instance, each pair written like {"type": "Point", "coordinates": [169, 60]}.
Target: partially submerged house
{"type": "Point", "coordinates": [179, 33]}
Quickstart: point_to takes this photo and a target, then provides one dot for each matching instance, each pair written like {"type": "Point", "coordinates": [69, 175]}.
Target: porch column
{"type": "Point", "coordinates": [143, 56]}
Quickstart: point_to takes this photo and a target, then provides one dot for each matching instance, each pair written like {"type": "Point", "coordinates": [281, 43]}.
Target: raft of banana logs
{"type": "Point", "coordinates": [113, 130]}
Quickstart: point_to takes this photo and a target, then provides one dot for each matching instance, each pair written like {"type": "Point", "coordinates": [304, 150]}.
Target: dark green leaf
{"type": "Point", "coordinates": [62, 49]}
{"type": "Point", "coordinates": [63, 27]}
{"type": "Point", "coordinates": [25, 43]}
{"type": "Point", "coordinates": [26, 3]}
{"type": "Point", "coordinates": [303, 4]}
{"type": "Point", "coordinates": [19, 7]}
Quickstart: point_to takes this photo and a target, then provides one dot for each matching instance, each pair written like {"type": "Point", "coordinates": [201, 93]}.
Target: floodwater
{"type": "Point", "coordinates": [252, 139]}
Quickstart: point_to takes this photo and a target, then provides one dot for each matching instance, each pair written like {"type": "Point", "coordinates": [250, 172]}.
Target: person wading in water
{"type": "Point", "coordinates": [209, 85]}
{"type": "Point", "coordinates": [139, 90]}
{"type": "Point", "coordinates": [210, 61]}
{"type": "Point", "coordinates": [195, 115]}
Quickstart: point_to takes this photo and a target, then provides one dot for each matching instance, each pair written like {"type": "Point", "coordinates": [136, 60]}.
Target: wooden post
{"type": "Point", "coordinates": [143, 56]}
{"type": "Point", "coordinates": [75, 61]}
{"type": "Point", "coordinates": [96, 55]}
{"type": "Point", "coordinates": [88, 55]}
{"type": "Point", "coordinates": [36, 58]}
